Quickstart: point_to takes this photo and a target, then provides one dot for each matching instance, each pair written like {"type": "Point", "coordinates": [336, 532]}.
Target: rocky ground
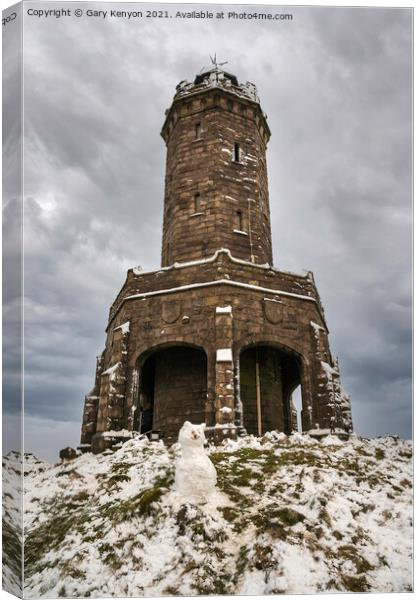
{"type": "Point", "coordinates": [291, 515]}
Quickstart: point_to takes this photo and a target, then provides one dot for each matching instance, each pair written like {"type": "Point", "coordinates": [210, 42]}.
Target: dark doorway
{"type": "Point", "coordinates": [172, 390]}
{"type": "Point", "coordinates": [268, 378]}
{"type": "Point", "coordinates": [146, 395]}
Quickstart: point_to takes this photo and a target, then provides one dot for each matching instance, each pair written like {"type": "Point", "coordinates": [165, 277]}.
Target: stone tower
{"type": "Point", "coordinates": [216, 193]}
{"type": "Point", "coordinates": [217, 335]}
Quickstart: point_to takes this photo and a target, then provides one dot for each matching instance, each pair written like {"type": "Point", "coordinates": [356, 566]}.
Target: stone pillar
{"type": "Point", "coordinates": [306, 398]}
{"type": "Point", "coordinates": [332, 407]}
{"type": "Point", "coordinates": [224, 373]}
{"type": "Point", "coordinates": [89, 420]}
{"type": "Point", "coordinates": [112, 395]}
{"type": "Point", "coordinates": [131, 401]}
{"type": "Point", "coordinates": [91, 406]}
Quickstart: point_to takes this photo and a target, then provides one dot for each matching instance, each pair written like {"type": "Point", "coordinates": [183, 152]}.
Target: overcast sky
{"type": "Point", "coordinates": [336, 86]}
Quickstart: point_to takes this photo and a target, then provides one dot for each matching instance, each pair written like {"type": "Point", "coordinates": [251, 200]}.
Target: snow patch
{"type": "Point", "coordinates": [317, 328]}
{"type": "Point", "coordinates": [223, 310]}
{"type": "Point", "coordinates": [224, 355]}
{"type": "Point", "coordinates": [112, 370]}
{"type": "Point", "coordinates": [120, 433]}
{"type": "Point", "coordinates": [290, 514]}
{"type": "Point", "coordinates": [328, 369]}
{"type": "Point", "coordinates": [124, 327]}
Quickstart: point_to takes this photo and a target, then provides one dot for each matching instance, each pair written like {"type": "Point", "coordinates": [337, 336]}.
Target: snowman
{"type": "Point", "coordinates": [195, 475]}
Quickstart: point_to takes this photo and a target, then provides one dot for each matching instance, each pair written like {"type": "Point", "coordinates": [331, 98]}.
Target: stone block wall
{"type": "Point", "coordinates": [180, 389]}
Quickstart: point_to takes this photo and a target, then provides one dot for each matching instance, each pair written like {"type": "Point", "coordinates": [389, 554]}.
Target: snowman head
{"type": "Point", "coordinates": [192, 436]}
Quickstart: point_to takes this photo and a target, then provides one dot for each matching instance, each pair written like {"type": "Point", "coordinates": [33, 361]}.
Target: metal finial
{"type": "Point", "coordinates": [215, 63]}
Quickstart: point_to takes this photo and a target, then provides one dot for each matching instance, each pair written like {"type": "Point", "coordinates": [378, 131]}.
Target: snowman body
{"type": "Point", "coordinates": [195, 476]}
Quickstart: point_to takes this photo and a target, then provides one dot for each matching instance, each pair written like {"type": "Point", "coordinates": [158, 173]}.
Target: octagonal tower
{"type": "Point", "coordinates": [216, 189]}
{"type": "Point", "coordinates": [217, 334]}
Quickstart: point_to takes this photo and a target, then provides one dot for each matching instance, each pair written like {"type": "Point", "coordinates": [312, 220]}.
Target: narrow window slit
{"type": "Point", "coordinates": [239, 221]}
{"type": "Point", "coordinates": [197, 202]}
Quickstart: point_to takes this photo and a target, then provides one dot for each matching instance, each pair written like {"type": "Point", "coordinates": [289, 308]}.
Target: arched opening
{"type": "Point", "coordinates": [146, 399]}
{"type": "Point", "coordinates": [172, 389]}
{"type": "Point", "coordinates": [268, 378]}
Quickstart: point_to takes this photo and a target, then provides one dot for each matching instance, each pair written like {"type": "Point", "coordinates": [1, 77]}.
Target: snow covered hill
{"type": "Point", "coordinates": [292, 515]}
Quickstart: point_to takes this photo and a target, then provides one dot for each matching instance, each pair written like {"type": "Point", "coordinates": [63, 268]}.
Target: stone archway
{"type": "Point", "coordinates": [268, 377]}
{"type": "Point", "coordinates": [172, 389]}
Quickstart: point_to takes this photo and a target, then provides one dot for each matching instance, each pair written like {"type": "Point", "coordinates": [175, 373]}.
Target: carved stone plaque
{"type": "Point", "coordinates": [171, 310]}
{"type": "Point", "coordinates": [274, 310]}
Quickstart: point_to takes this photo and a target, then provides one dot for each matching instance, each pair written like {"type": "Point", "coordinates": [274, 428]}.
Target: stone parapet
{"type": "Point", "coordinates": [221, 266]}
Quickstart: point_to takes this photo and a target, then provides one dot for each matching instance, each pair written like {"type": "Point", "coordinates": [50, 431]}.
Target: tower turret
{"type": "Point", "coordinates": [216, 188]}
